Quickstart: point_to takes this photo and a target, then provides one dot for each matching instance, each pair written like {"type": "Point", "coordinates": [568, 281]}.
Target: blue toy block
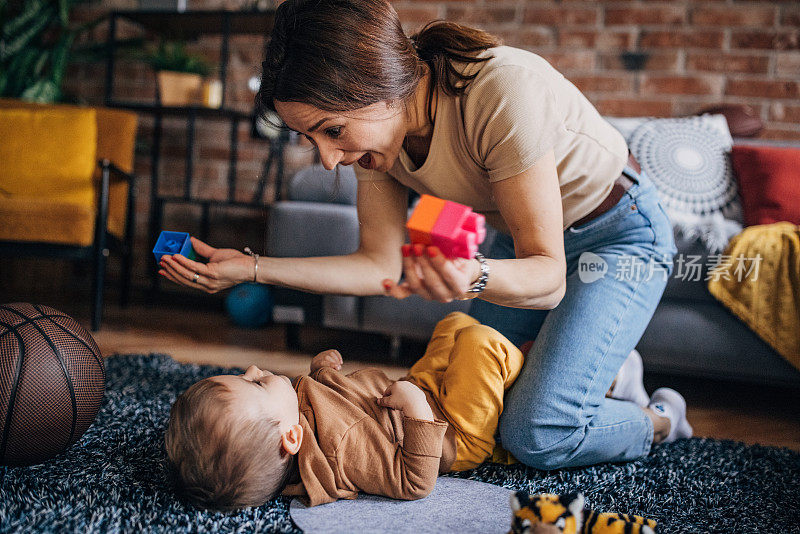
{"type": "Point", "coordinates": [174, 243]}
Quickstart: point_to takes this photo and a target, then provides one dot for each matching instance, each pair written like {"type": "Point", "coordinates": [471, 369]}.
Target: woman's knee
{"type": "Point", "coordinates": [539, 444]}
{"type": "Point", "coordinates": [555, 456]}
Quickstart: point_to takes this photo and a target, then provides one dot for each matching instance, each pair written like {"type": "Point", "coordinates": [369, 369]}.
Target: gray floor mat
{"type": "Point", "coordinates": [455, 505]}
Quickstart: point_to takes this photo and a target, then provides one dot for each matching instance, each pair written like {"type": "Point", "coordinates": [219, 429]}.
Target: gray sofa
{"type": "Point", "coordinates": [690, 333]}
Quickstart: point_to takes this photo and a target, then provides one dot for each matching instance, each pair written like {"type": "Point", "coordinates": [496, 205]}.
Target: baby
{"type": "Point", "coordinates": [238, 440]}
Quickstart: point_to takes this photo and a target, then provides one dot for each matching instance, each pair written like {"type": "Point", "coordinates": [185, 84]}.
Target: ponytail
{"type": "Point", "coordinates": [440, 43]}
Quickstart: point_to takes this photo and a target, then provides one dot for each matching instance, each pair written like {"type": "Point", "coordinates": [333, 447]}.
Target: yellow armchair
{"type": "Point", "coordinates": [66, 188]}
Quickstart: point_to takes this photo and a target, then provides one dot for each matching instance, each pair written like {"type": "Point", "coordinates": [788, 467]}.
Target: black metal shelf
{"type": "Point", "coordinates": [181, 111]}
{"type": "Point", "coordinates": [212, 202]}
{"type": "Point", "coordinates": [189, 25]}
{"type": "Point", "coordinates": [196, 23]}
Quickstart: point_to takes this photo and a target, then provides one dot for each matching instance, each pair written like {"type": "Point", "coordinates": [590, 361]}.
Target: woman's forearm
{"type": "Point", "coordinates": [531, 206]}
{"type": "Point", "coordinates": [352, 274]}
{"type": "Point", "coordinates": [381, 215]}
{"type": "Point", "coordinates": [535, 282]}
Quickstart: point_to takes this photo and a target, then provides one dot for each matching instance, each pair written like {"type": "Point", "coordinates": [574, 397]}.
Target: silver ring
{"type": "Point", "coordinates": [196, 277]}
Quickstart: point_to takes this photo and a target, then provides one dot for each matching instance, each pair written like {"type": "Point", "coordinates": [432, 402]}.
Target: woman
{"type": "Point", "coordinates": [451, 113]}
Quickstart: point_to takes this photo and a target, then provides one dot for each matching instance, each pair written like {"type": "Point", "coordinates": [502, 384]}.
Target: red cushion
{"type": "Point", "coordinates": [769, 183]}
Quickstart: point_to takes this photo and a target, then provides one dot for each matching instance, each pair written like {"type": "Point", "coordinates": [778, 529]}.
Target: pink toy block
{"type": "Point", "coordinates": [457, 231]}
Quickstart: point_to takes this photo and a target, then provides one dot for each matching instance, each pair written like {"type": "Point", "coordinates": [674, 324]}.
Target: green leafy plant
{"type": "Point", "coordinates": [36, 45]}
{"type": "Point", "coordinates": [173, 56]}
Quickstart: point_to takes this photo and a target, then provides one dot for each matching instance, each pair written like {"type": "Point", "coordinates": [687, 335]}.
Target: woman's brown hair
{"type": "Point", "coordinates": [342, 55]}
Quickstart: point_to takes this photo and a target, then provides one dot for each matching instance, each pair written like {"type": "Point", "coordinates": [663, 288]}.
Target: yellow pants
{"type": "Point", "coordinates": [466, 368]}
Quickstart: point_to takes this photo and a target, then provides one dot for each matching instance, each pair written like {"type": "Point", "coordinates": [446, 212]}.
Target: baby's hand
{"type": "Point", "coordinates": [408, 398]}
{"type": "Point", "coordinates": [327, 358]}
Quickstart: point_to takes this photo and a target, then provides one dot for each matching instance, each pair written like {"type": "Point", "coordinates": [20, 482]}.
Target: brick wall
{"type": "Point", "coordinates": [698, 54]}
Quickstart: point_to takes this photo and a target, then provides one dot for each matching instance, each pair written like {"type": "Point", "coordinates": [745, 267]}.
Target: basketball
{"type": "Point", "coordinates": [52, 382]}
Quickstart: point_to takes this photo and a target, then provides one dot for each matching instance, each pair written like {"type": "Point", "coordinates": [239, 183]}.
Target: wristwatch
{"type": "Point", "coordinates": [478, 285]}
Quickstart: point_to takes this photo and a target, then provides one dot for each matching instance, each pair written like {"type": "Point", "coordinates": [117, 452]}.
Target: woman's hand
{"type": "Point", "coordinates": [408, 398]}
{"type": "Point", "coordinates": [328, 358]}
{"type": "Point", "coordinates": [226, 267]}
{"type": "Point", "coordinates": [429, 274]}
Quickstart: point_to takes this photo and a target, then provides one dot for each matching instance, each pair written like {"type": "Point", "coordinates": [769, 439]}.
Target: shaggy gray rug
{"type": "Point", "coordinates": [115, 479]}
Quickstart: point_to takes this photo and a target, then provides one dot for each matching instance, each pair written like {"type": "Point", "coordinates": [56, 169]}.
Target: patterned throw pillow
{"type": "Point", "coordinates": [688, 160]}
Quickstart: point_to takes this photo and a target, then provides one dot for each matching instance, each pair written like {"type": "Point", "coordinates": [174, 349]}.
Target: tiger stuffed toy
{"type": "Point", "coordinates": [564, 514]}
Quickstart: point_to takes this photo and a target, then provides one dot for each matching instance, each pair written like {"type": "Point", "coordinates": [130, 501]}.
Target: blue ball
{"type": "Point", "coordinates": [249, 305]}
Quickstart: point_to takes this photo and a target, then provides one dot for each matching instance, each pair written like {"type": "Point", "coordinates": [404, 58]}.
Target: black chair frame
{"type": "Point", "coordinates": [99, 250]}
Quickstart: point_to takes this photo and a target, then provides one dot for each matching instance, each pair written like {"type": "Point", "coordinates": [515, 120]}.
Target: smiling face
{"type": "Point", "coordinates": [258, 392]}
{"type": "Point", "coordinates": [370, 136]}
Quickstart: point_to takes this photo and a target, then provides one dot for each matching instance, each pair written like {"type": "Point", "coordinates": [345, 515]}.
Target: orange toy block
{"type": "Point", "coordinates": [420, 224]}
{"type": "Point", "coordinates": [452, 227]}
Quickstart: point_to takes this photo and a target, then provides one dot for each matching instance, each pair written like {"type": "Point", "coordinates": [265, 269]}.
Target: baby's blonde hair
{"type": "Point", "coordinates": [223, 460]}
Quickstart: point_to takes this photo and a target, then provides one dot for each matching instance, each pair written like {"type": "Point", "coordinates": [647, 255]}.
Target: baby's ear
{"type": "Point", "coordinates": [292, 439]}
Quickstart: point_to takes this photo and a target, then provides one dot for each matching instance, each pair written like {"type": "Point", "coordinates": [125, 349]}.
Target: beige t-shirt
{"type": "Point", "coordinates": [517, 107]}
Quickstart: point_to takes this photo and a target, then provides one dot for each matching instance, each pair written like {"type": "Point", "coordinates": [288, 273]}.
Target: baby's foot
{"type": "Point", "coordinates": [628, 385]}
{"type": "Point", "coordinates": [669, 403]}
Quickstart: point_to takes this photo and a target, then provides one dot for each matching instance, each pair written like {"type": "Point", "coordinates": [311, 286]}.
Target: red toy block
{"type": "Point", "coordinates": [451, 226]}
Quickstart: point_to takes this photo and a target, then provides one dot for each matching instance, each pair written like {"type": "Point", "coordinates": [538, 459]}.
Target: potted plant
{"type": "Point", "coordinates": [179, 75]}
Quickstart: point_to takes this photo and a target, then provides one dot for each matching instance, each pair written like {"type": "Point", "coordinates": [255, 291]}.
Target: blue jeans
{"type": "Point", "coordinates": [556, 414]}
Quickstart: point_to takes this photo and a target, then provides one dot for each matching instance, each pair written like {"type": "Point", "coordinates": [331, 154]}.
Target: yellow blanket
{"type": "Point", "coordinates": [758, 279]}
